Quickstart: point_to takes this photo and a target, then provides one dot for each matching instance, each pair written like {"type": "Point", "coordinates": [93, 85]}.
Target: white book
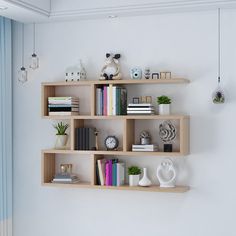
{"type": "Point", "coordinates": [101, 171]}
{"type": "Point", "coordinates": [140, 109]}
{"type": "Point", "coordinates": [62, 113]}
{"type": "Point", "coordinates": [114, 88]}
{"type": "Point", "coordinates": [140, 104]}
{"type": "Point", "coordinates": [98, 101]}
{"type": "Point", "coordinates": [144, 150]}
{"type": "Point", "coordinates": [120, 174]}
{"type": "Point", "coordinates": [144, 146]}
{"type": "Point", "coordinates": [108, 100]}
{"type": "Point", "coordinates": [140, 112]}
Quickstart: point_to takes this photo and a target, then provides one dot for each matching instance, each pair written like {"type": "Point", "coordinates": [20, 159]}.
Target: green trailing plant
{"type": "Point", "coordinates": [134, 170]}
{"type": "Point", "coordinates": [163, 100]}
{"type": "Point", "coordinates": [61, 128]}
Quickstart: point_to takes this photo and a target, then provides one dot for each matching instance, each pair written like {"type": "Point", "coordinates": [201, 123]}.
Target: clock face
{"type": "Point", "coordinates": [111, 142]}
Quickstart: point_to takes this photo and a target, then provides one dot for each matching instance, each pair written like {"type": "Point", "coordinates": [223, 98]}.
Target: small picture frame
{"type": "Point", "coordinates": [136, 100]}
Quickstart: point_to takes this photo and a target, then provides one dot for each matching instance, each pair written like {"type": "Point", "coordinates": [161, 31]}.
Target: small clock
{"type": "Point", "coordinates": [111, 142]}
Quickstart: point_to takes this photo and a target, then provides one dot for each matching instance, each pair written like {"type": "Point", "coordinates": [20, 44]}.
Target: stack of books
{"type": "Point", "coordinates": [65, 178]}
{"type": "Point", "coordinates": [144, 148]}
{"type": "Point", "coordinates": [85, 139]}
{"type": "Point", "coordinates": [111, 101]}
{"type": "Point", "coordinates": [63, 106]}
{"type": "Point", "coordinates": [140, 109]}
{"type": "Point", "coordinates": [110, 172]}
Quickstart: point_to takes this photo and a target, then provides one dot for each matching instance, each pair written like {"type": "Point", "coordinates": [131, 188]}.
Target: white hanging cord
{"type": "Point", "coordinates": [219, 54]}
{"type": "Point", "coordinates": [33, 37]}
{"type": "Point", "coordinates": [23, 44]}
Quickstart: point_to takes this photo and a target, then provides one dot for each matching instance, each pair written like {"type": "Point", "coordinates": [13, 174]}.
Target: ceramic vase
{"type": "Point", "coordinates": [164, 109]}
{"type": "Point", "coordinates": [61, 142]}
{"type": "Point", "coordinates": [145, 181]}
{"type": "Point", "coordinates": [133, 180]}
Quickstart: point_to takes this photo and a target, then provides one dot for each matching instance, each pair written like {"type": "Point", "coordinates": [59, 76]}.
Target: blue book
{"type": "Point", "coordinates": [114, 172]}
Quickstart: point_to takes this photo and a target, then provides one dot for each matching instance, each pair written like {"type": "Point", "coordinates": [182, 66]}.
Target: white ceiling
{"type": "Point", "coordinates": [29, 11]}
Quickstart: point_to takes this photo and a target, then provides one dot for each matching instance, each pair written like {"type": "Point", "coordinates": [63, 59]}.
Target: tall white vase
{"type": "Point", "coordinates": [145, 181]}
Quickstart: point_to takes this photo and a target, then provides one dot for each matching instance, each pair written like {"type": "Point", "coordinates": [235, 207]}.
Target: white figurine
{"type": "Point", "coordinates": [166, 180]}
{"type": "Point", "coordinates": [111, 69]}
{"type": "Point", "coordinates": [75, 73]}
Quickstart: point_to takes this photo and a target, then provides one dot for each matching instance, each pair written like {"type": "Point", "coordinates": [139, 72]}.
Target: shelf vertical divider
{"type": "Point", "coordinates": [48, 167]}
{"type": "Point", "coordinates": [184, 135]}
{"type": "Point", "coordinates": [93, 100]}
{"type": "Point", "coordinates": [46, 91]}
{"type": "Point", "coordinates": [128, 134]}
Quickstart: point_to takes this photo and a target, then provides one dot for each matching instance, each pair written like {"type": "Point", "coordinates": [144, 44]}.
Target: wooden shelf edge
{"type": "Point", "coordinates": [124, 81]}
{"type": "Point", "coordinates": [154, 188]}
{"type": "Point", "coordinates": [127, 117]}
{"type": "Point", "coordinates": [118, 153]}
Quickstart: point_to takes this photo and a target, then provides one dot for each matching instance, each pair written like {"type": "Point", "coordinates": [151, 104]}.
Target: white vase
{"type": "Point", "coordinates": [164, 109]}
{"type": "Point", "coordinates": [61, 142]}
{"type": "Point", "coordinates": [133, 180]}
{"type": "Point", "coordinates": [145, 181]}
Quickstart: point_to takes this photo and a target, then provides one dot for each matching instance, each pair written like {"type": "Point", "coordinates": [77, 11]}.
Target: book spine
{"type": "Point", "coordinates": [63, 109]}
{"type": "Point", "coordinates": [101, 171]}
{"type": "Point", "coordinates": [86, 138]}
{"type": "Point", "coordinates": [97, 102]}
{"type": "Point", "coordinates": [110, 172]}
{"type": "Point", "coordinates": [119, 102]}
{"type": "Point", "coordinates": [107, 173]}
{"type": "Point", "coordinates": [102, 102]}
{"type": "Point", "coordinates": [105, 101]}
{"type": "Point", "coordinates": [114, 100]}
{"type": "Point", "coordinates": [97, 175]}
{"type": "Point", "coordinates": [76, 139]}
{"type": "Point", "coordinates": [80, 139]}
{"type": "Point", "coordinates": [110, 100]}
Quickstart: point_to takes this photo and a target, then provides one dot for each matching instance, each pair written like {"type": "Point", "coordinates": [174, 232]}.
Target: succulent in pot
{"type": "Point", "coordinates": [164, 105]}
{"type": "Point", "coordinates": [61, 134]}
{"type": "Point", "coordinates": [134, 175]}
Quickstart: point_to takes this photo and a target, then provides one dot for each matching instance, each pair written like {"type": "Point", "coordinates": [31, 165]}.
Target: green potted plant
{"type": "Point", "coordinates": [164, 105]}
{"type": "Point", "coordinates": [61, 134]}
{"type": "Point", "coordinates": [134, 174]}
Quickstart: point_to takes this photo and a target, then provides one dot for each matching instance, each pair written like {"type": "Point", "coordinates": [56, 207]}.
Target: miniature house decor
{"type": "Point", "coordinates": [111, 69]}
{"type": "Point", "coordinates": [166, 174]}
{"type": "Point", "coordinates": [75, 73]}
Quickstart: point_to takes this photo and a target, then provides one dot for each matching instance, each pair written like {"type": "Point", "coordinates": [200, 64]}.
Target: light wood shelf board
{"type": "Point", "coordinates": [154, 188]}
{"type": "Point", "coordinates": [125, 81]}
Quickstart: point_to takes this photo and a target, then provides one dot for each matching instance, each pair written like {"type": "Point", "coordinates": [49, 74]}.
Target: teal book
{"type": "Point", "coordinates": [114, 172]}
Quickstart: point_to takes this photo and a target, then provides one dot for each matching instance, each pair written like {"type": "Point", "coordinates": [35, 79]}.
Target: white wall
{"type": "Point", "coordinates": [184, 43]}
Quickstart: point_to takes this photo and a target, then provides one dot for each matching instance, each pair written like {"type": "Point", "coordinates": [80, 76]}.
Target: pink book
{"type": "Point", "coordinates": [105, 101]}
{"type": "Point", "coordinates": [110, 172]}
{"type": "Point", "coordinates": [107, 173]}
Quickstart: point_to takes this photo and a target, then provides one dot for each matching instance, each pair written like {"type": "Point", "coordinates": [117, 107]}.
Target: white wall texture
{"type": "Point", "coordinates": [186, 44]}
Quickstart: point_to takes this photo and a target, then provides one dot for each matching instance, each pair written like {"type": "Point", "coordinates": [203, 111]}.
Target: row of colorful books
{"type": "Point", "coordinates": [140, 109]}
{"type": "Point", "coordinates": [63, 106]}
{"type": "Point", "coordinates": [111, 101]}
{"type": "Point", "coordinates": [65, 178]}
{"type": "Point", "coordinates": [110, 172]}
{"type": "Point", "coordinates": [85, 139]}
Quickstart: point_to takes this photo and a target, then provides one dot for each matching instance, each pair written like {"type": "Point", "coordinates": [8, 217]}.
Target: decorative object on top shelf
{"type": "Point", "coordinates": [145, 99]}
{"type": "Point", "coordinates": [96, 139]}
{"type": "Point", "coordinates": [145, 181]}
{"type": "Point", "coordinates": [61, 135]}
{"type": "Point", "coordinates": [111, 143]}
{"type": "Point", "coordinates": [147, 73]}
{"type": "Point", "coordinates": [136, 73]}
{"type": "Point", "coordinates": [164, 105]}
{"type": "Point", "coordinates": [166, 174]}
{"type": "Point", "coordinates": [111, 69]}
{"type": "Point", "coordinates": [34, 60]}
{"type": "Point", "coordinates": [155, 74]}
{"type": "Point", "coordinates": [135, 100]}
{"type": "Point", "coordinates": [167, 132]}
{"type": "Point", "coordinates": [165, 75]}
{"type": "Point", "coordinates": [75, 73]}
{"type": "Point", "coordinates": [66, 168]}
{"type": "Point", "coordinates": [134, 175]}
{"type": "Point", "coordinates": [22, 73]}
{"type": "Point", "coordinates": [145, 138]}
{"type": "Point", "coordinates": [218, 96]}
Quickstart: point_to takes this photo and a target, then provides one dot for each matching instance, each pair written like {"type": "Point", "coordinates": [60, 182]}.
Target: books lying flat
{"type": "Point", "coordinates": [75, 109]}
{"type": "Point", "coordinates": [63, 113]}
{"type": "Point", "coordinates": [144, 148]}
{"type": "Point", "coordinates": [140, 105]}
{"type": "Point", "coordinates": [140, 109]}
{"type": "Point", "coordinates": [65, 178]}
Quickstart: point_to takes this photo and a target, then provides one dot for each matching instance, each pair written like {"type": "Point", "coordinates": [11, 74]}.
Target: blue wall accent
{"type": "Point", "coordinates": [5, 120]}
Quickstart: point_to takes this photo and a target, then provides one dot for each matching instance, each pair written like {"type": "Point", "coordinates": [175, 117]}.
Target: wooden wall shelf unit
{"type": "Point", "coordinates": [129, 125]}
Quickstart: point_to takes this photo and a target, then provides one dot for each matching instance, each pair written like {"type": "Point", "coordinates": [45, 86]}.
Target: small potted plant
{"type": "Point", "coordinates": [134, 174]}
{"type": "Point", "coordinates": [61, 135]}
{"type": "Point", "coordinates": [164, 105]}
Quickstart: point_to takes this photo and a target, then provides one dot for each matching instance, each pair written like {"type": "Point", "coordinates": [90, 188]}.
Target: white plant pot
{"type": "Point", "coordinates": [164, 109]}
{"type": "Point", "coordinates": [61, 141]}
{"type": "Point", "coordinates": [133, 180]}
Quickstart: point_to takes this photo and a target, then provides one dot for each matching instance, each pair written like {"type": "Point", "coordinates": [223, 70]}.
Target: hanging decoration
{"type": "Point", "coordinates": [22, 73]}
{"type": "Point", "coordinates": [34, 60]}
{"type": "Point", "coordinates": [218, 96]}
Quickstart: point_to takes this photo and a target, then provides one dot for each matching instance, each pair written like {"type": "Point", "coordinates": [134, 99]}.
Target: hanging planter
{"type": "Point", "coordinates": [218, 96]}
